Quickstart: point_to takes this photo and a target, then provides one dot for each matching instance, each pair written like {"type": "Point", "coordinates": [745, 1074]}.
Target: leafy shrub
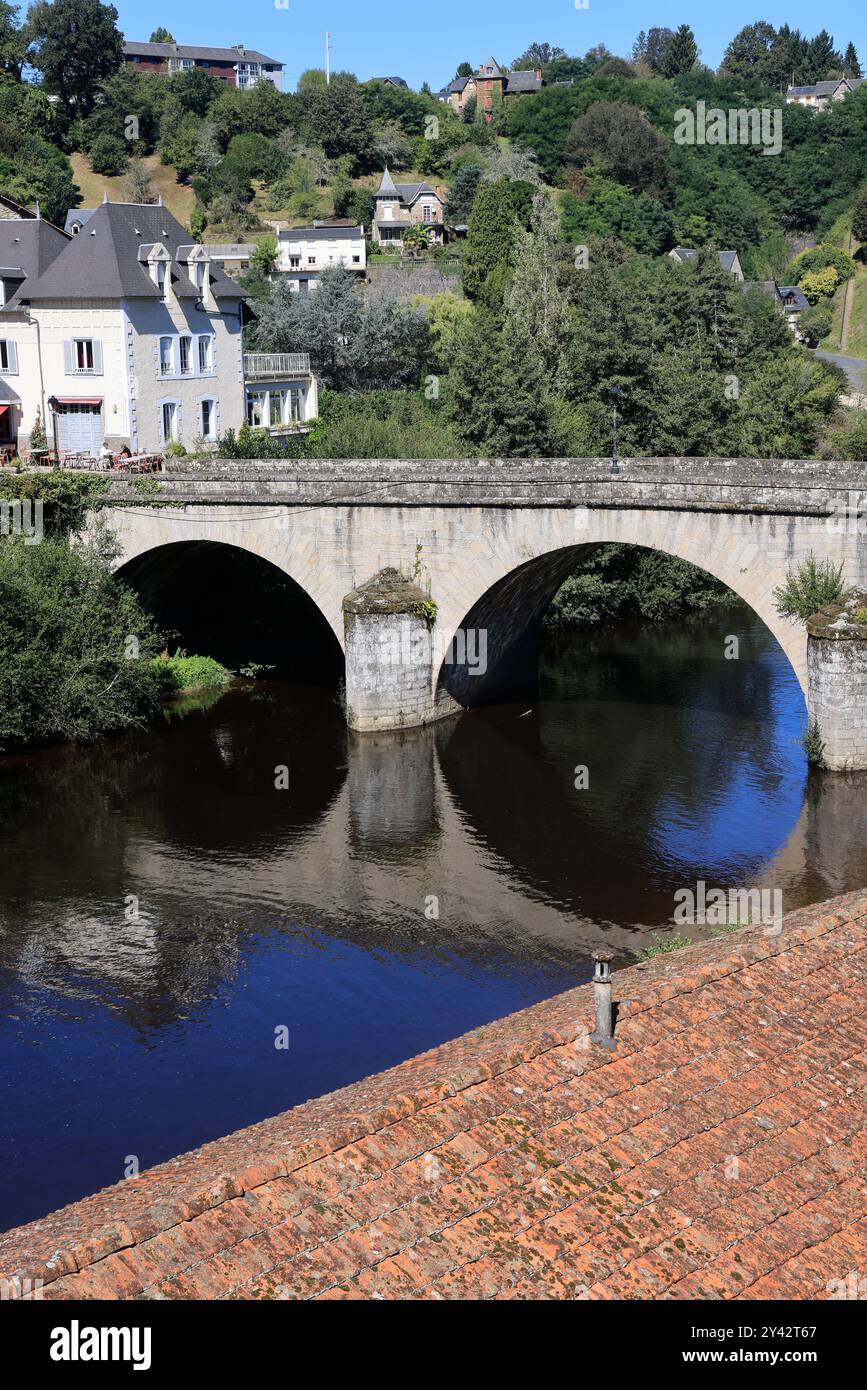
{"type": "Point", "coordinates": [808, 588]}
{"type": "Point", "coordinates": [181, 673]}
{"type": "Point", "coordinates": [67, 671]}
{"type": "Point", "coordinates": [820, 283]}
{"type": "Point", "coordinates": [813, 744]}
{"type": "Point", "coordinates": [820, 258]}
{"type": "Point", "coordinates": [109, 155]}
{"type": "Point", "coordinates": [816, 322]}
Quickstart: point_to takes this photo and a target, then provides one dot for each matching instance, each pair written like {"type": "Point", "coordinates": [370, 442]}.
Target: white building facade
{"type": "Point", "coordinates": [130, 337]}
{"type": "Point", "coordinates": [304, 252]}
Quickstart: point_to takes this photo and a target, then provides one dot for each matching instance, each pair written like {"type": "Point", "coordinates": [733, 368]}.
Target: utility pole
{"type": "Point", "coordinates": [328, 59]}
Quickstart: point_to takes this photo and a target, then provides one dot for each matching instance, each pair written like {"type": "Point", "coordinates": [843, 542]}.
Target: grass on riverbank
{"type": "Point", "coordinates": [181, 675]}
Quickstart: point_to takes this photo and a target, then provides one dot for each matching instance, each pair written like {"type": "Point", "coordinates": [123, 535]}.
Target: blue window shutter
{"type": "Point", "coordinates": [97, 357]}
{"type": "Point", "coordinates": [68, 358]}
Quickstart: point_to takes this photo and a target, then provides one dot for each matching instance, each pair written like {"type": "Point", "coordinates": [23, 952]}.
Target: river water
{"type": "Point", "coordinates": [168, 915]}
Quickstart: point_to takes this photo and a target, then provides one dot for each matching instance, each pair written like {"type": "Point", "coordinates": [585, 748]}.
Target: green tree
{"type": "Point", "coordinates": [784, 406]}
{"type": "Point", "coordinates": [851, 64]}
{"type": "Point", "coordinates": [65, 624]}
{"type": "Point", "coordinates": [336, 117]}
{"type": "Point", "coordinates": [822, 57]}
{"type": "Point", "coordinates": [497, 401]}
{"type": "Point", "coordinates": [13, 41]}
{"type": "Point", "coordinates": [622, 139]}
{"type": "Point", "coordinates": [815, 323]}
{"type": "Point", "coordinates": [650, 47]}
{"type": "Point", "coordinates": [73, 45]}
{"type": "Point", "coordinates": [108, 155]}
{"type": "Point", "coordinates": [196, 90]}
{"type": "Point", "coordinates": [265, 255]}
{"type": "Point", "coordinates": [161, 35]}
{"type": "Point", "coordinates": [353, 345]}
{"type": "Point", "coordinates": [859, 216]}
{"type": "Point", "coordinates": [538, 55]}
{"type": "Point", "coordinates": [490, 241]}
{"type": "Point", "coordinates": [138, 187]}
{"type": "Point", "coordinates": [536, 311]}
{"type": "Point", "coordinates": [462, 193]}
{"type": "Point", "coordinates": [447, 315]}
{"type": "Point", "coordinates": [681, 53]}
{"type": "Point", "coordinates": [750, 53]}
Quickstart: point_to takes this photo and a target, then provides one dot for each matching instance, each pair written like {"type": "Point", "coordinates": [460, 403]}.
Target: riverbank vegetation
{"type": "Point", "coordinates": [627, 581]}
{"type": "Point", "coordinates": [79, 655]}
{"type": "Point", "coordinates": [75, 646]}
{"type": "Point", "coordinates": [181, 674]}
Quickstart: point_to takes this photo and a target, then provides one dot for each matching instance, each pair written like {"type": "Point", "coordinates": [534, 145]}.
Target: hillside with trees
{"type": "Point", "coordinates": [572, 196]}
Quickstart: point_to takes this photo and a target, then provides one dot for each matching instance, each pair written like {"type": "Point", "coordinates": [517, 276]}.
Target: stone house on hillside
{"type": "Point", "coordinates": [398, 206]}
{"type": "Point", "coordinates": [491, 85]}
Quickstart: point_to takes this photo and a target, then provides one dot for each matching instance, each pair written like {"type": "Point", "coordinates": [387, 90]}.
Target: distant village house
{"type": "Point", "coordinates": [490, 85]}
{"type": "Point", "coordinates": [238, 67]}
{"type": "Point", "coordinates": [399, 206]}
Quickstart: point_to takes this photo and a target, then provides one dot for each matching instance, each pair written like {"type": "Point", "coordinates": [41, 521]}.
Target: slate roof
{"type": "Point", "coordinates": [407, 192]}
{"type": "Point", "coordinates": [29, 246]}
{"type": "Point", "coordinates": [800, 299]}
{"type": "Point", "coordinates": [79, 216]}
{"type": "Point", "coordinates": [825, 89]}
{"type": "Point", "coordinates": [457, 85]}
{"type": "Point", "coordinates": [102, 261]}
{"type": "Point", "coordinates": [686, 253]}
{"type": "Point", "coordinates": [718, 1153]}
{"type": "Point", "coordinates": [391, 81]}
{"type": "Point", "coordinates": [522, 81]}
{"type": "Point", "coordinates": [184, 50]}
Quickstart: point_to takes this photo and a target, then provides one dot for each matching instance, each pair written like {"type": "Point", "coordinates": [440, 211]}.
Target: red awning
{"type": "Point", "coordinates": [3, 409]}
{"type": "Point", "coordinates": [79, 400]}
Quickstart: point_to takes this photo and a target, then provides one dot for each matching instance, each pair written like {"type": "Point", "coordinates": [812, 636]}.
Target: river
{"type": "Point", "coordinates": [186, 948]}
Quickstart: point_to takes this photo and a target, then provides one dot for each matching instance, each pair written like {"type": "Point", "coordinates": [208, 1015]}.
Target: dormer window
{"type": "Point", "coordinates": [159, 276]}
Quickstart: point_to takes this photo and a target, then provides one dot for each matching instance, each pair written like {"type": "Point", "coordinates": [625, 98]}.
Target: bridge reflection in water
{"type": "Point", "coordinates": [403, 889]}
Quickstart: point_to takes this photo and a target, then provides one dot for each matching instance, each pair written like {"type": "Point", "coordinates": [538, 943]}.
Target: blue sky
{"type": "Point", "coordinates": [427, 43]}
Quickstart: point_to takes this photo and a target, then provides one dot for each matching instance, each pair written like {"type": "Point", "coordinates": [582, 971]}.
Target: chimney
{"type": "Point", "coordinates": [603, 1033]}
{"type": "Point", "coordinates": [537, 73]}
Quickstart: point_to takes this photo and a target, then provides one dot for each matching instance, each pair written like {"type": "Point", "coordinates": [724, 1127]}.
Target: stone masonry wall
{"type": "Point", "coordinates": [837, 680]}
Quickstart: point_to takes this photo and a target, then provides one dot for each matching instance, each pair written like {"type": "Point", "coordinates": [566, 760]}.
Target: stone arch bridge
{"type": "Point", "coordinates": [483, 545]}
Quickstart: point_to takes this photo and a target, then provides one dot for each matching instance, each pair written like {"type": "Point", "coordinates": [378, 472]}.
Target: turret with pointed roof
{"type": "Point", "coordinates": [388, 185]}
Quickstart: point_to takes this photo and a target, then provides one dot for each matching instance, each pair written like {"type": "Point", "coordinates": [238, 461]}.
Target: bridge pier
{"type": "Point", "coordinates": [837, 680]}
{"type": "Point", "coordinates": [391, 656]}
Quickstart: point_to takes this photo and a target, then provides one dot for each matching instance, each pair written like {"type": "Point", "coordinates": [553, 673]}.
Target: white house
{"type": "Point", "coordinates": [126, 333]}
{"type": "Point", "coordinates": [819, 94]}
{"type": "Point", "coordinates": [304, 252]}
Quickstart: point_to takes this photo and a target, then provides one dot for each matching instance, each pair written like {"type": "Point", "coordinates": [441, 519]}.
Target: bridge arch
{"type": "Point", "coordinates": [507, 590]}
{"type": "Point", "coordinates": [225, 601]}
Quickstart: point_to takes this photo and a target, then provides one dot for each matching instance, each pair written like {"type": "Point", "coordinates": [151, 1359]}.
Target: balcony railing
{"type": "Point", "coordinates": [274, 366]}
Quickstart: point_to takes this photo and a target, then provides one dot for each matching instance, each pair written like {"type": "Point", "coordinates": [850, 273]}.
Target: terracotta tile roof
{"type": "Point", "coordinates": [719, 1152]}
